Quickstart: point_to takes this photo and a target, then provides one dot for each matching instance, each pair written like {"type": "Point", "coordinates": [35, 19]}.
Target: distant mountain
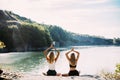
{"type": "Point", "coordinates": [22, 34]}
{"type": "Point", "coordinates": [68, 38]}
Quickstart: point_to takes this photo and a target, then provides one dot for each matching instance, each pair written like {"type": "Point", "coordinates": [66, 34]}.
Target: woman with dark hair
{"type": "Point", "coordinates": [72, 62]}
{"type": "Point", "coordinates": [51, 59]}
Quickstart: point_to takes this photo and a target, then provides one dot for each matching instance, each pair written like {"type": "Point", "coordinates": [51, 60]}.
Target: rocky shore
{"type": "Point", "coordinates": [82, 77]}
{"type": "Point", "coordinates": [7, 75]}
{"type": "Point", "coordinates": [4, 75]}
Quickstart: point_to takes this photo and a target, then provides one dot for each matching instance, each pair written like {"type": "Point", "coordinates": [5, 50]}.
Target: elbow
{"type": "Point", "coordinates": [66, 54]}
{"type": "Point", "coordinates": [44, 52]}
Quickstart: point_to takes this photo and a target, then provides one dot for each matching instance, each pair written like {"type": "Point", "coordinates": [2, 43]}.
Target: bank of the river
{"type": "Point", "coordinates": [6, 75]}
{"type": "Point", "coordinates": [82, 77]}
{"type": "Point", "coordinates": [30, 65]}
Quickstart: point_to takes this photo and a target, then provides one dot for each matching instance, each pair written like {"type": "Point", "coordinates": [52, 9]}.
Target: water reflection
{"type": "Point", "coordinates": [23, 62]}
{"type": "Point", "coordinates": [92, 59]}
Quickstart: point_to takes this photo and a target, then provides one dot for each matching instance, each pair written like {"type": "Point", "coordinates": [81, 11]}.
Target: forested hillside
{"type": "Point", "coordinates": [22, 34]}
{"type": "Point", "coordinates": [68, 38]}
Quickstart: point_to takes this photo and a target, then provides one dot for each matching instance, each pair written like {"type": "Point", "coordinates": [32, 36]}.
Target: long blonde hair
{"type": "Point", "coordinates": [72, 59]}
{"type": "Point", "coordinates": [51, 57]}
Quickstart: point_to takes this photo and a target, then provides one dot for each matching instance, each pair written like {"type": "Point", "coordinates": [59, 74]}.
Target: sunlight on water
{"type": "Point", "coordinates": [92, 60]}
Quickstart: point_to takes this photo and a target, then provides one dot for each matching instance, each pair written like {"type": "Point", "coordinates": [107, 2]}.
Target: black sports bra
{"type": "Point", "coordinates": [72, 66]}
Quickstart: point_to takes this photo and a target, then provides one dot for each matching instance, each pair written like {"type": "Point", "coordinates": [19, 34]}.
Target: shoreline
{"type": "Point", "coordinates": [42, 77]}
{"type": "Point", "coordinates": [7, 75]}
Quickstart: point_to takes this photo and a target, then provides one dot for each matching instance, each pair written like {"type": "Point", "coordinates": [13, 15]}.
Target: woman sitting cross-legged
{"type": "Point", "coordinates": [51, 59]}
{"type": "Point", "coordinates": [72, 62]}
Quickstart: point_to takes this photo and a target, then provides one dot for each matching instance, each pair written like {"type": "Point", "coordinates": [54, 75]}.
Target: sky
{"type": "Point", "coordinates": [93, 17]}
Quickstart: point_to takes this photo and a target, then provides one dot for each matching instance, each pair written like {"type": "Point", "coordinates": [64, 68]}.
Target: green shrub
{"type": "Point", "coordinates": [110, 75]}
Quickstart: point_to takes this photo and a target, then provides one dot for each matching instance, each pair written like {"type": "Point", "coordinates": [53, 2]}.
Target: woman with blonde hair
{"type": "Point", "coordinates": [72, 62]}
{"type": "Point", "coordinates": [51, 59]}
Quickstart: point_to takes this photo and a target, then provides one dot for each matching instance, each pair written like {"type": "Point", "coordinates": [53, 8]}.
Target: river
{"type": "Point", "coordinates": [93, 60]}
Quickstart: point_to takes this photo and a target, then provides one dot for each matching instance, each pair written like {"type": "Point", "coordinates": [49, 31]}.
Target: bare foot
{"type": "Point", "coordinates": [65, 75]}
{"type": "Point", "coordinates": [44, 74]}
{"type": "Point", "coordinates": [59, 74]}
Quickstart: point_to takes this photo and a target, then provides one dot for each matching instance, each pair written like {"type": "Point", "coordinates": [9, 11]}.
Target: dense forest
{"type": "Point", "coordinates": [22, 34]}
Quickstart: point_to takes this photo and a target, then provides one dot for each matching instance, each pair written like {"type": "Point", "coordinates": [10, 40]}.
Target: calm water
{"type": "Point", "coordinates": [93, 59]}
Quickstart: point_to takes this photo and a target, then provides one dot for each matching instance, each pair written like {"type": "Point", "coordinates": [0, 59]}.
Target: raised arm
{"type": "Point", "coordinates": [67, 54]}
{"type": "Point", "coordinates": [78, 54]}
{"type": "Point", "coordinates": [58, 53]}
{"type": "Point", "coordinates": [46, 51]}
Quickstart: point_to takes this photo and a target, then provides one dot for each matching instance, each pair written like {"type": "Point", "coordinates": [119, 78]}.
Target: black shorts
{"type": "Point", "coordinates": [51, 73]}
{"type": "Point", "coordinates": [73, 73]}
